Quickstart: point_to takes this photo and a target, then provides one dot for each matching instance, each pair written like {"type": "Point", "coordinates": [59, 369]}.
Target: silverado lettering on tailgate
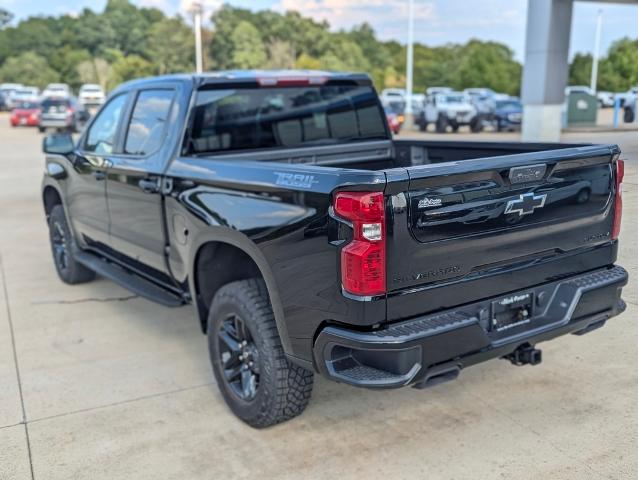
{"type": "Point", "coordinates": [436, 274]}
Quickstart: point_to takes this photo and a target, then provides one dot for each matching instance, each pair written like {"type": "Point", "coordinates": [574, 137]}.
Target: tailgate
{"type": "Point", "coordinates": [487, 225]}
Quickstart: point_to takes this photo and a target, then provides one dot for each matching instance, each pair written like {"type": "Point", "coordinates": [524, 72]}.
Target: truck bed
{"type": "Point", "coordinates": [386, 154]}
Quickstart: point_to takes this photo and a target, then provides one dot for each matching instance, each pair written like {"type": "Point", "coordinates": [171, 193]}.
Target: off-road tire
{"type": "Point", "coordinates": [629, 115]}
{"type": "Point", "coordinates": [69, 270]}
{"type": "Point", "coordinates": [423, 123]}
{"type": "Point", "coordinates": [441, 124]}
{"type": "Point", "coordinates": [476, 125]}
{"type": "Point", "coordinates": [283, 388]}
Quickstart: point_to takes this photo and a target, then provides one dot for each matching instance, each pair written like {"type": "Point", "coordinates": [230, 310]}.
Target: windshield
{"type": "Point", "coordinates": [27, 105]}
{"type": "Point", "coordinates": [454, 99]}
{"type": "Point", "coordinates": [252, 118]}
{"type": "Point", "coordinates": [508, 104]}
{"type": "Point", "coordinates": [52, 103]}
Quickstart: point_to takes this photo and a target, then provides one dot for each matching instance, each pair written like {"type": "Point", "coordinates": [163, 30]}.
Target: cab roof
{"type": "Point", "coordinates": [262, 77]}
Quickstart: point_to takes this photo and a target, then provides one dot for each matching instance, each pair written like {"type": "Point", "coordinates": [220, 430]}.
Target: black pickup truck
{"type": "Point", "coordinates": [309, 241]}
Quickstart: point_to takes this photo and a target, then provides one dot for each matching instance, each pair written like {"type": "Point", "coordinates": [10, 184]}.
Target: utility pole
{"type": "Point", "coordinates": [594, 65]}
{"type": "Point", "coordinates": [409, 120]}
{"type": "Point", "coordinates": [197, 10]}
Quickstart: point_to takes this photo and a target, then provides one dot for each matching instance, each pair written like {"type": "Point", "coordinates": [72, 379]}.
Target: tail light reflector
{"type": "Point", "coordinates": [620, 173]}
{"type": "Point", "coordinates": [363, 259]}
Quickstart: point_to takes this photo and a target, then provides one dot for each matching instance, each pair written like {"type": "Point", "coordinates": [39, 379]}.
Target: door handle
{"type": "Point", "coordinates": [99, 174]}
{"type": "Point", "coordinates": [149, 185]}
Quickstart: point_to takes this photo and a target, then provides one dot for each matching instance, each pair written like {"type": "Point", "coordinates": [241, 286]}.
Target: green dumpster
{"type": "Point", "coordinates": [582, 109]}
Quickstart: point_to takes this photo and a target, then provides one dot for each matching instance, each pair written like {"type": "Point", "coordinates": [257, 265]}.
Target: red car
{"type": "Point", "coordinates": [26, 114]}
{"type": "Point", "coordinates": [395, 120]}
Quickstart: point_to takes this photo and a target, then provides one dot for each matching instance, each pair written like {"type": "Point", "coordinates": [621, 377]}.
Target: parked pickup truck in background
{"type": "Point", "coordinates": [310, 242]}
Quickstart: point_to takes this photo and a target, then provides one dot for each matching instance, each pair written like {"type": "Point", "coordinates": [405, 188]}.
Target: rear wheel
{"type": "Point", "coordinates": [259, 384]}
{"type": "Point", "coordinates": [583, 196]}
{"type": "Point", "coordinates": [423, 123]}
{"type": "Point", "coordinates": [629, 115]}
{"type": "Point", "coordinates": [476, 125]}
{"type": "Point", "coordinates": [69, 270]}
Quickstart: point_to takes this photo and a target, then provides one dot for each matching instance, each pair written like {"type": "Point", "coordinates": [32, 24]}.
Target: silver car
{"type": "Point", "coordinates": [62, 114]}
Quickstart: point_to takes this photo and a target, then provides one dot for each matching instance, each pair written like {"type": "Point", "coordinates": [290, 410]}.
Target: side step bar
{"type": "Point", "coordinates": [130, 281]}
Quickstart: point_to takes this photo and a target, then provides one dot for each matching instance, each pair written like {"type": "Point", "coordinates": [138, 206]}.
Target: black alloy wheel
{"type": "Point", "coordinates": [60, 246]}
{"type": "Point", "coordinates": [239, 357]}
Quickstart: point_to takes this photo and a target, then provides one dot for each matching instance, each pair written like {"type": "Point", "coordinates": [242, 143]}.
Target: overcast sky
{"type": "Point", "coordinates": [437, 21]}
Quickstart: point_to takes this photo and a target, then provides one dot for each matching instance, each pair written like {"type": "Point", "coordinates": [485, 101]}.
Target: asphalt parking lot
{"type": "Point", "coordinates": [96, 383]}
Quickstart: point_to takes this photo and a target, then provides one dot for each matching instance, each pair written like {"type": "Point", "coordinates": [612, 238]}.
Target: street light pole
{"type": "Point", "coordinates": [197, 10]}
{"type": "Point", "coordinates": [594, 65]}
{"type": "Point", "coordinates": [409, 67]}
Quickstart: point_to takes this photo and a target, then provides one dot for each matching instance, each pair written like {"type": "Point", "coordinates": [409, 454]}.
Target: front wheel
{"type": "Point", "coordinates": [259, 384]}
{"type": "Point", "coordinates": [69, 270]}
{"type": "Point", "coordinates": [441, 124]}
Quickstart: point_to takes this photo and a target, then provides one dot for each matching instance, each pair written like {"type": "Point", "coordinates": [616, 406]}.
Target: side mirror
{"type": "Point", "coordinates": [58, 143]}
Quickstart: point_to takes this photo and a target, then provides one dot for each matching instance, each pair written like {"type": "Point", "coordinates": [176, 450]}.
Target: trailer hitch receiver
{"type": "Point", "coordinates": [525, 355]}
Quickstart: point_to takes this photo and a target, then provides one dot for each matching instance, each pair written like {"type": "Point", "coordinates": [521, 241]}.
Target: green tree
{"type": "Point", "coordinates": [619, 71]}
{"type": "Point", "coordinates": [65, 61]}
{"type": "Point", "coordinates": [248, 49]}
{"type": "Point", "coordinates": [94, 33]}
{"type": "Point", "coordinates": [580, 69]}
{"type": "Point", "coordinates": [306, 62]}
{"type": "Point", "coordinates": [171, 46]}
{"type": "Point", "coordinates": [130, 25]}
{"type": "Point", "coordinates": [36, 34]}
{"type": "Point", "coordinates": [127, 37]}
{"type": "Point", "coordinates": [225, 21]}
{"type": "Point", "coordinates": [280, 55]}
{"type": "Point", "coordinates": [488, 64]}
{"type": "Point", "coordinates": [344, 55]}
{"type": "Point", "coordinates": [5, 18]}
{"type": "Point", "coordinates": [129, 68]}
{"type": "Point", "coordinates": [95, 70]}
{"type": "Point", "coordinates": [28, 67]}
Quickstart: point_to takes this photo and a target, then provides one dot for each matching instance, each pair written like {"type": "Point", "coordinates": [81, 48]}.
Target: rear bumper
{"type": "Point", "coordinates": [24, 121]}
{"type": "Point", "coordinates": [55, 122]}
{"type": "Point", "coordinates": [508, 124]}
{"type": "Point", "coordinates": [423, 349]}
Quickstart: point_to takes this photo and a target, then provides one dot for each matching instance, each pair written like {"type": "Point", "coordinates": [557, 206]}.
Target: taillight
{"type": "Point", "coordinates": [363, 259]}
{"type": "Point", "coordinates": [620, 173]}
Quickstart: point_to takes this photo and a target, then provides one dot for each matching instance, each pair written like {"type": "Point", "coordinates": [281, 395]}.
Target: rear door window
{"type": "Point", "coordinates": [279, 117]}
{"type": "Point", "coordinates": [146, 130]}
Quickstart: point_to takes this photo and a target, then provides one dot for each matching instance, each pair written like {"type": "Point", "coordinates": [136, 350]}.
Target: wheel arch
{"type": "Point", "coordinates": [229, 256]}
{"type": "Point", "coordinates": [50, 198]}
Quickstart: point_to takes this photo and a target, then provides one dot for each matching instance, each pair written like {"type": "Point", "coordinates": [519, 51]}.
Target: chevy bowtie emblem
{"type": "Point", "coordinates": [525, 204]}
